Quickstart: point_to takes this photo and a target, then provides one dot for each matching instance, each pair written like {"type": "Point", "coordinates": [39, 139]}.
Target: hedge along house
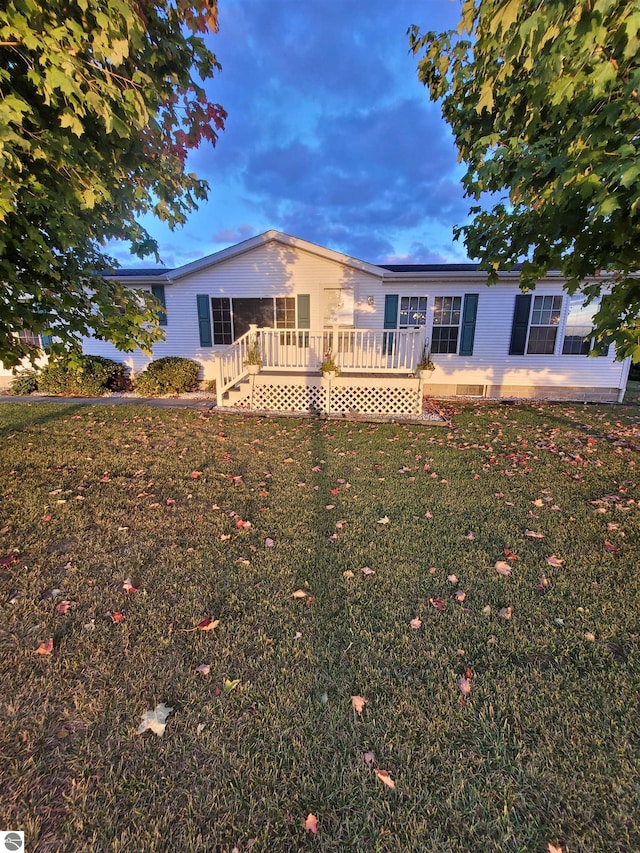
{"type": "Point", "coordinates": [295, 302]}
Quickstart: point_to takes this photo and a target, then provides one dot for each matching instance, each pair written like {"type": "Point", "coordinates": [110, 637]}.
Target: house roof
{"type": "Point", "coordinates": [430, 267]}
{"type": "Point", "coordinates": [381, 271]}
{"type": "Point", "coordinates": [151, 272]}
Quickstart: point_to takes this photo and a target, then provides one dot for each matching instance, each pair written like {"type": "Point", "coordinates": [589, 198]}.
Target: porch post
{"type": "Point", "coordinates": [219, 379]}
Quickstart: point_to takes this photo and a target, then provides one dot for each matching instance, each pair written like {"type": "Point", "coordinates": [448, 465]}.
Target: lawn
{"type": "Point", "coordinates": [477, 585]}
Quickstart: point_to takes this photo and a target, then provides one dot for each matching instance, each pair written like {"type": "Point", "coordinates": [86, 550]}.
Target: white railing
{"type": "Point", "coordinates": [303, 350]}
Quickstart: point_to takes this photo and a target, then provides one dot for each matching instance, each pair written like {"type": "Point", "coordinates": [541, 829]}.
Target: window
{"type": "Point", "coordinates": [579, 326]}
{"type": "Point", "coordinates": [285, 312]}
{"type": "Point", "coordinates": [545, 319]}
{"type": "Point", "coordinates": [413, 312]}
{"type": "Point", "coordinates": [446, 323]}
{"type": "Point", "coordinates": [221, 316]}
{"type": "Point", "coordinates": [28, 338]}
{"type": "Point", "coordinates": [286, 318]}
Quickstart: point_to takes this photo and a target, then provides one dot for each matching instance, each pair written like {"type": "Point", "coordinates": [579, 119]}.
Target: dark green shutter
{"type": "Point", "coordinates": [520, 324]}
{"type": "Point", "coordinates": [390, 321]}
{"type": "Point", "coordinates": [157, 290]}
{"type": "Point", "coordinates": [304, 311]}
{"type": "Point", "coordinates": [304, 317]}
{"type": "Point", "coordinates": [469, 314]}
{"type": "Point", "coordinates": [204, 320]}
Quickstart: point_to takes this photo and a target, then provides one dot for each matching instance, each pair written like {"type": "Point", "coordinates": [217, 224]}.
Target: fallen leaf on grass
{"type": "Point", "coordinates": [542, 584]}
{"type": "Point", "coordinates": [590, 637]}
{"type": "Point", "coordinates": [230, 685]}
{"type": "Point", "coordinates": [311, 823]}
{"type": "Point", "coordinates": [470, 535]}
{"type": "Point", "coordinates": [509, 554]}
{"type": "Point", "coordinates": [348, 574]}
{"type": "Point", "coordinates": [330, 506]}
{"type": "Point", "coordinates": [367, 571]}
{"type": "Point", "coordinates": [269, 543]}
{"type": "Point", "coordinates": [204, 668]}
{"type": "Point", "coordinates": [464, 685]}
{"type": "Point", "coordinates": [416, 624]}
{"type": "Point", "coordinates": [505, 612]}
{"type": "Point", "coordinates": [551, 848]}
{"type": "Point", "coordinates": [438, 603]}
{"type": "Point", "coordinates": [45, 648]}
{"type": "Point", "coordinates": [385, 777]}
{"type": "Point", "coordinates": [127, 586]}
{"type": "Point", "coordinates": [369, 758]}
{"type": "Point", "coordinates": [452, 578]}
{"type": "Point", "coordinates": [63, 607]}
{"type": "Point", "coordinates": [609, 546]}
{"type": "Point", "coordinates": [554, 561]}
{"type": "Point", "coordinates": [358, 703]}
{"type": "Point", "coordinates": [460, 596]}
{"type": "Point", "coordinates": [532, 534]}
{"type": "Point", "coordinates": [384, 520]}
{"type": "Point", "coordinates": [503, 568]}
{"type": "Point", "coordinates": [117, 617]}
{"type": "Point", "coordinates": [208, 624]}
{"type": "Point", "coordinates": [299, 593]}
{"type": "Point", "coordinates": [243, 525]}
{"type": "Point", "coordinates": [155, 720]}
{"type": "Point", "coordinates": [195, 474]}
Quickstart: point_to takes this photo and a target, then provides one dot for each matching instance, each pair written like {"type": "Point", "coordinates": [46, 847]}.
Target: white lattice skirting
{"type": "Point", "coordinates": [359, 395]}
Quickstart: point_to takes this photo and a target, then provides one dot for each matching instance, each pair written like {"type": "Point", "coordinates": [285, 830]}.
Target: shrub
{"type": "Point", "coordinates": [170, 375]}
{"type": "Point", "coordinates": [25, 382]}
{"type": "Point", "coordinates": [86, 375]}
{"type": "Point", "coordinates": [634, 372]}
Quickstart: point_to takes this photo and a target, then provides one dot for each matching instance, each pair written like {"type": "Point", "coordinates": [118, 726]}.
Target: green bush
{"type": "Point", "coordinates": [85, 375]}
{"type": "Point", "coordinates": [25, 382]}
{"type": "Point", "coordinates": [170, 375]}
{"type": "Point", "coordinates": [634, 372]}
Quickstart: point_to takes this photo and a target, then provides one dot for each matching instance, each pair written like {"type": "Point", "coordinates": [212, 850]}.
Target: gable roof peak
{"type": "Point", "coordinates": [273, 236]}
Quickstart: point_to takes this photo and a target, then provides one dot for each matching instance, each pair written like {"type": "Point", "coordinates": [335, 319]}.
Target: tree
{"type": "Point", "coordinates": [100, 101]}
{"type": "Point", "coordinates": [542, 98]}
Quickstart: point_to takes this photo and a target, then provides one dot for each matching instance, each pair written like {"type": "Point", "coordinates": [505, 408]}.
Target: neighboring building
{"type": "Point", "coordinates": [493, 342]}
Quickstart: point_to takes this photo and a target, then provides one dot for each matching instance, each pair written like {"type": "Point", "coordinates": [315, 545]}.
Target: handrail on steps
{"type": "Point", "coordinates": [303, 350]}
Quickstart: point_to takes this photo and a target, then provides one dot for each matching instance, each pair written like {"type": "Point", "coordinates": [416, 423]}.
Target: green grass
{"type": "Point", "coordinates": [632, 394]}
{"type": "Point", "coordinates": [544, 750]}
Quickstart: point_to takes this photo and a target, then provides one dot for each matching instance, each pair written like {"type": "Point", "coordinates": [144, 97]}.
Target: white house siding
{"type": "Point", "coordinates": [491, 367]}
{"type": "Point", "coordinates": [269, 270]}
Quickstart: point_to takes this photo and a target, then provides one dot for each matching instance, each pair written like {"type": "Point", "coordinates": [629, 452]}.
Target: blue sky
{"type": "Point", "coordinates": [330, 135]}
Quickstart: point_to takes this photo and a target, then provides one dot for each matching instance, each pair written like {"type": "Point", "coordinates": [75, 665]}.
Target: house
{"type": "Point", "coordinates": [299, 301]}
